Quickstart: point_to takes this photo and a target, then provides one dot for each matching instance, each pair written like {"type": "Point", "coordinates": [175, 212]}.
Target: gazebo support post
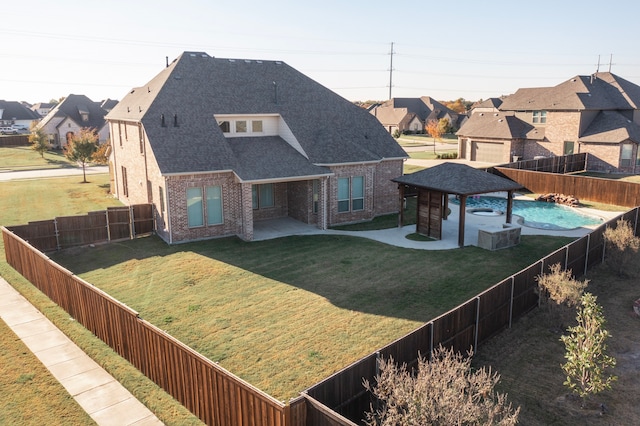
{"type": "Point", "coordinates": [445, 205]}
{"type": "Point", "coordinates": [401, 214]}
{"type": "Point", "coordinates": [463, 208]}
{"type": "Point", "coordinates": [509, 205]}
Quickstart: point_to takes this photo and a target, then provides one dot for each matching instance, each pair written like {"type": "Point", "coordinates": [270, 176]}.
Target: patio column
{"type": "Point", "coordinates": [246, 206]}
{"type": "Point", "coordinates": [463, 208]}
{"type": "Point", "coordinates": [323, 204]}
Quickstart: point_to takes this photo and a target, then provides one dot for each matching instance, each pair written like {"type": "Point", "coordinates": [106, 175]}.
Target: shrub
{"type": "Point", "coordinates": [444, 391]}
{"type": "Point", "coordinates": [621, 248]}
{"type": "Point", "coordinates": [560, 286]}
{"type": "Point", "coordinates": [396, 134]}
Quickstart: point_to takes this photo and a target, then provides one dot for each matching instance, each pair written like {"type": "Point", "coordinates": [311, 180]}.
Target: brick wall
{"type": "Point", "coordinates": [386, 192]}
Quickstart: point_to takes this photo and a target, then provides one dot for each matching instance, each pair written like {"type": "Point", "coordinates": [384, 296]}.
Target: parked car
{"type": "Point", "coordinates": [8, 131]}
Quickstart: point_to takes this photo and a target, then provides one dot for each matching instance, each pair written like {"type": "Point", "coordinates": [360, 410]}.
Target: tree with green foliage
{"type": "Point", "coordinates": [443, 391]}
{"type": "Point", "coordinates": [39, 141]}
{"type": "Point", "coordinates": [81, 149]}
{"type": "Point", "coordinates": [586, 351]}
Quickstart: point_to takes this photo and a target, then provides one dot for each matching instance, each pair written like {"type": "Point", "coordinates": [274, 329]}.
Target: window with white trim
{"type": "Point", "coordinates": [350, 194]}
{"type": "Point", "coordinates": [209, 208]}
{"type": "Point", "coordinates": [626, 154]}
{"type": "Point", "coordinates": [539, 117]}
{"type": "Point", "coordinates": [262, 196]}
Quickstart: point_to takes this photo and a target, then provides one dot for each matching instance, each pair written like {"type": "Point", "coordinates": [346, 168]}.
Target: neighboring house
{"type": "Point", "coordinates": [411, 115]}
{"type": "Point", "coordinates": [71, 115]}
{"type": "Point", "coordinates": [489, 105]}
{"type": "Point", "coordinates": [219, 144]}
{"type": "Point", "coordinates": [597, 114]}
{"type": "Point", "coordinates": [15, 113]}
{"type": "Point", "coordinates": [43, 108]}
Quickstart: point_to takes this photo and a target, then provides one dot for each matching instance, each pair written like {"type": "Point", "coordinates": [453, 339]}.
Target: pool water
{"type": "Point", "coordinates": [536, 214]}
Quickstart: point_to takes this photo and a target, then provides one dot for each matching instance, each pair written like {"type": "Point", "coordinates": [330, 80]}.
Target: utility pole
{"type": "Point", "coordinates": [391, 71]}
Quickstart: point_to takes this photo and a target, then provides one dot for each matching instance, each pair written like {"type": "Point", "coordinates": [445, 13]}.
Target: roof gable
{"type": "Point", "coordinates": [611, 127]}
{"type": "Point", "coordinates": [195, 87]}
{"type": "Point", "coordinates": [499, 125]}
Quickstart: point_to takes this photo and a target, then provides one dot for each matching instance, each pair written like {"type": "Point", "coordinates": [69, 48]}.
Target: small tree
{"type": "Point", "coordinates": [444, 391]}
{"type": "Point", "coordinates": [586, 351]}
{"type": "Point", "coordinates": [81, 149]}
{"type": "Point", "coordinates": [622, 248]}
{"type": "Point", "coordinates": [39, 142]}
{"type": "Point", "coordinates": [434, 130]}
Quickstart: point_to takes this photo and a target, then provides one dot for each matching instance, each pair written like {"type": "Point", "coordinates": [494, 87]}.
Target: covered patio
{"type": "Point", "coordinates": [433, 187]}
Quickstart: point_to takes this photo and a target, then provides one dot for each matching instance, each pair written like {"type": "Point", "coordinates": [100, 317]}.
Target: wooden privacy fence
{"type": "Point", "coordinates": [608, 191]}
{"type": "Point", "coordinates": [15, 140]}
{"type": "Point", "coordinates": [213, 394]}
{"type": "Point", "coordinates": [562, 164]}
{"type": "Point", "coordinates": [462, 328]}
{"type": "Point", "coordinates": [115, 223]}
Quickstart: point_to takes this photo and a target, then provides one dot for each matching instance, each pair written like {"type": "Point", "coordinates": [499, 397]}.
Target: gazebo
{"type": "Point", "coordinates": [436, 183]}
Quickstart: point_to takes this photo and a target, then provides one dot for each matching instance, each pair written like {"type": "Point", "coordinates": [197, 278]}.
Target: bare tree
{"type": "Point", "coordinates": [443, 391]}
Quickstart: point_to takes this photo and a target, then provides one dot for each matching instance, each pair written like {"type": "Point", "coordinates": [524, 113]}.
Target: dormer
{"type": "Point", "coordinates": [84, 113]}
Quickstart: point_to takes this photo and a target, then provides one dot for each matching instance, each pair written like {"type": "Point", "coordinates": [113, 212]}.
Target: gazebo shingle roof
{"type": "Point", "coordinates": [459, 179]}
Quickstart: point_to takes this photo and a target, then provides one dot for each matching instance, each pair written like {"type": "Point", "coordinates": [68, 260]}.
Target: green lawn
{"type": "Point", "coordinates": [42, 400]}
{"type": "Point", "coordinates": [25, 158]}
{"type": "Point", "coordinates": [286, 313]}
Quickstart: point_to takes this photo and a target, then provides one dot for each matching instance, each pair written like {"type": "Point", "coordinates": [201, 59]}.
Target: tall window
{"type": "Point", "coordinates": [626, 154]}
{"type": "Point", "coordinates": [351, 194]}
{"type": "Point", "coordinates": [262, 196]}
{"type": "Point", "coordinates": [161, 198]}
{"type": "Point", "coordinates": [214, 205]}
{"type": "Point", "coordinates": [568, 147]}
{"type": "Point", "coordinates": [316, 194]}
{"type": "Point", "coordinates": [125, 185]}
{"type": "Point", "coordinates": [194, 207]}
{"type": "Point", "coordinates": [540, 117]}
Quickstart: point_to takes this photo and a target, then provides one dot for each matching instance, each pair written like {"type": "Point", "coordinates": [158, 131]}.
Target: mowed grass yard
{"type": "Point", "coordinates": [284, 314]}
{"type": "Point", "coordinates": [25, 158]}
{"type": "Point", "coordinates": [29, 395]}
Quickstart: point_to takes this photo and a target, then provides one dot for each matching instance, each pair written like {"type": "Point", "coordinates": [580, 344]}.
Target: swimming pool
{"type": "Point", "coordinates": [535, 214]}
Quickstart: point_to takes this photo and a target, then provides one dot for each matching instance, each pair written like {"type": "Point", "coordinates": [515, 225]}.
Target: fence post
{"type": "Point", "coordinates": [475, 338]}
{"type": "Point", "coordinates": [586, 255]}
{"type": "Point", "coordinates": [55, 227]}
{"type": "Point", "coordinates": [132, 229]}
{"type": "Point", "coordinates": [106, 213]}
{"type": "Point", "coordinates": [513, 285]}
{"type": "Point", "coordinates": [430, 339]}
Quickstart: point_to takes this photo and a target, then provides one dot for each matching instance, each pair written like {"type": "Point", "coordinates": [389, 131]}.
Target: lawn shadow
{"type": "Point", "coordinates": [352, 273]}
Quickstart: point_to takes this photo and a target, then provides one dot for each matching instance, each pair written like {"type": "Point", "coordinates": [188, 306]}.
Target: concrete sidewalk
{"type": "Point", "coordinates": [98, 393]}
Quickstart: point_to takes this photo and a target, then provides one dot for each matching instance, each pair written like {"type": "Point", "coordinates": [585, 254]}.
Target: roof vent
{"type": "Point", "coordinates": [481, 114]}
{"type": "Point", "coordinates": [204, 55]}
{"type": "Point", "coordinates": [162, 123]}
{"type": "Point", "coordinates": [193, 55]}
{"type": "Point", "coordinates": [139, 109]}
{"type": "Point", "coordinates": [232, 60]}
{"type": "Point", "coordinates": [258, 62]}
{"type": "Point", "coordinates": [278, 63]}
{"type": "Point", "coordinates": [175, 120]}
{"type": "Point", "coordinates": [248, 61]}
{"type": "Point", "coordinates": [500, 120]}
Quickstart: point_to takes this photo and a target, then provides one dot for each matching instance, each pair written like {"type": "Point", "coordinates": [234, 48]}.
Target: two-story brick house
{"type": "Point", "coordinates": [218, 144]}
{"type": "Point", "coordinates": [597, 114]}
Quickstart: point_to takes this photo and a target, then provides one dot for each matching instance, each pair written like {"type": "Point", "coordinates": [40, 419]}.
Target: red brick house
{"type": "Point", "coordinates": [597, 114]}
{"type": "Point", "coordinates": [219, 144]}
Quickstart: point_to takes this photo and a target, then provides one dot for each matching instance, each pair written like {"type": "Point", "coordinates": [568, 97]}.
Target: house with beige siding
{"type": "Point", "coordinates": [411, 115]}
{"type": "Point", "coordinates": [218, 145]}
{"type": "Point", "coordinates": [598, 114]}
{"type": "Point", "coordinates": [70, 116]}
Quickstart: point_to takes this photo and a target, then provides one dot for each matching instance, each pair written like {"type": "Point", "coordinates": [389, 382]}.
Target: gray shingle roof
{"type": "Point", "coordinates": [72, 106]}
{"type": "Point", "coordinates": [499, 125]}
{"type": "Point", "coordinates": [194, 87]}
{"type": "Point", "coordinates": [13, 110]}
{"type": "Point", "coordinates": [460, 179]}
{"type": "Point", "coordinates": [611, 127]}
{"type": "Point", "coordinates": [601, 91]}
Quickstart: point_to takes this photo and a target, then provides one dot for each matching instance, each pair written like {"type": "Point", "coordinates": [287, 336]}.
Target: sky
{"type": "Point", "coordinates": [447, 50]}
